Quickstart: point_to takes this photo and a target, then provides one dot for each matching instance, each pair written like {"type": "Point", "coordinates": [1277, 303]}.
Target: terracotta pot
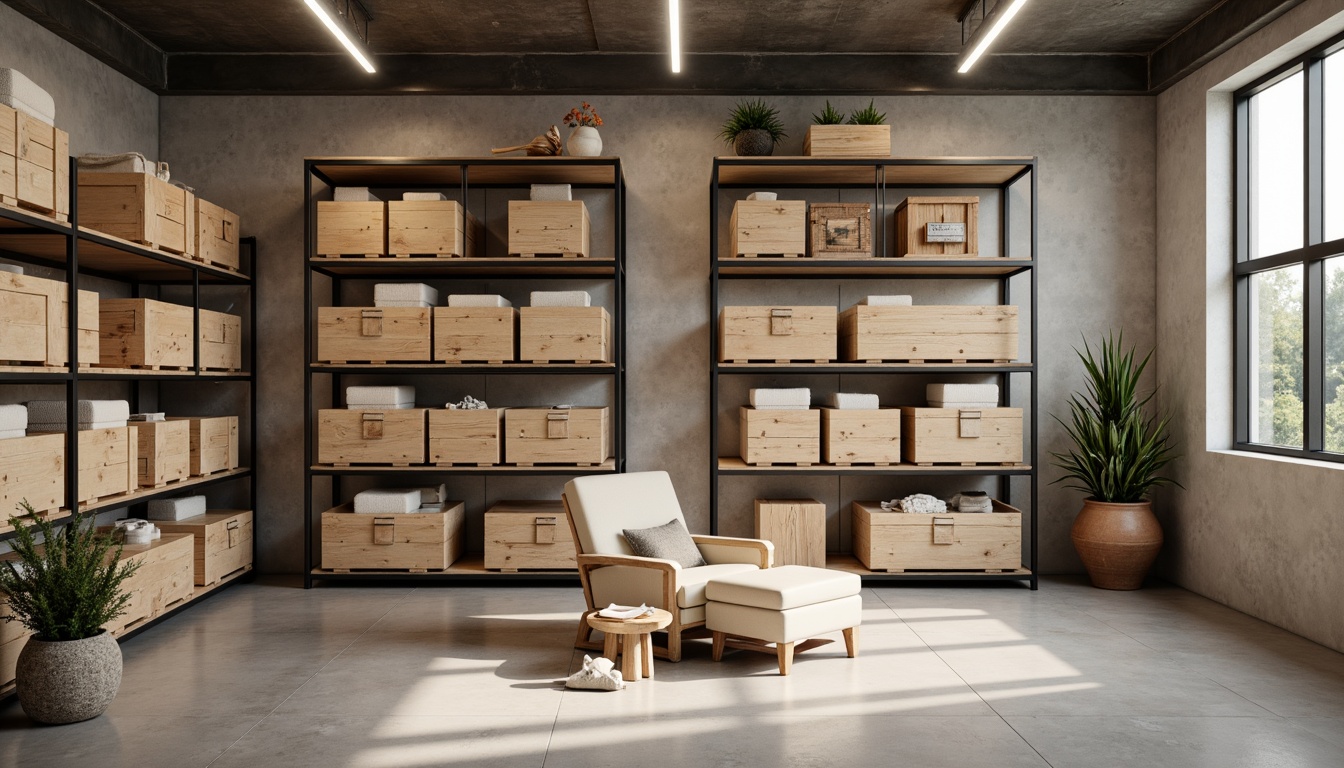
{"type": "Point", "coordinates": [66, 681]}
{"type": "Point", "coordinates": [585, 141]}
{"type": "Point", "coordinates": [754, 142]}
{"type": "Point", "coordinates": [1117, 542]}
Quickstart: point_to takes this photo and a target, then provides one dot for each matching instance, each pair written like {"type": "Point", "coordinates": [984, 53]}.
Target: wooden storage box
{"type": "Point", "coordinates": [551, 334]}
{"type": "Point", "coordinates": [223, 544]}
{"type": "Point", "coordinates": [144, 333]}
{"type": "Point", "coordinates": [108, 463]}
{"type": "Point", "coordinates": [847, 141]}
{"type": "Point", "coordinates": [780, 436]}
{"type": "Point", "coordinates": [915, 237]}
{"type": "Point", "coordinates": [221, 341]}
{"type": "Point", "coordinates": [9, 130]}
{"type": "Point", "coordinates": [777, 334]}
{"type": "Point", "coordinates": [475, 334]}
{"type": "Point", "coordinates": [962, 435]}
{"type": "Point", "coordinates": [528, 534]}
{"type": "Point", "coordinates": [34, 164]}
{"type": "Point", "coordinates": [31, 468]}
{"type": "Point", "coordinates": [797, 528]}
{"type": "Point", "coordinates": [13, 636]}
{"type": "Point", "coordinates": [213, 441]}
{"type": "Point", "coordinates": [415, 541]}
{"type": "Point", "coordinates": [164, 451]}
{"type": "Point", "coordinates": [431, 228]}
{"type": "Point", "coordinates": [923, 333]}
{"type": "Point", "coordinates": [861, 436]}
{"type": "Point", "coordinates": [840, 230]}
{"type": "Point", "coordinates": [895, 541]}
{"type": "Point", "coordinates": [549, 228]}
{"type": "Point", "coordinates": [355, 228]}
{"type": "Point", "coordinates": [33, 321]}
{"type": "Point", "coordinates": [373, 334]}
{"type": "Point", "coordinates": [577, 436]}
{"type": "Point", "coordinates": [395, 437]}
{"type": "Point", "coordinates": [768, 228]}
{"type": "Point", "coordinates": [139, 208]}
{"type": "Point", "coordinates": [216, 235]}
{"type": "Point", "coordinates": [465, 437]}
{"type": "Point", "coordinates": [166, 577]}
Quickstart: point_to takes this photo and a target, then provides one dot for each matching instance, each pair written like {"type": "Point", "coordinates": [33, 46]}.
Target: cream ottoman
{"type": "Point", "coordinates": [783, 606]}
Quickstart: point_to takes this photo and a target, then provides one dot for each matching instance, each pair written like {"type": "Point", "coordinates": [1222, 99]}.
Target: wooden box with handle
{"type": "Point", "coordinates": [373, 335]}
{"type": "Point", "coordinates": [528, 534]}
{"type": "Point", "coordinates": [223, 542]}
{"type": "Point", "coordinates": [414, 541]}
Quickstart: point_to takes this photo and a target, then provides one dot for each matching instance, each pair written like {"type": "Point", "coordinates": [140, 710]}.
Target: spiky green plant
{"type": "Point", "coordinates": [753, 115]}
{"type": "Point", "coordinates": [868, 116]}
{"type": "Point", "coordinates": [65, 588]}
{"type": "Point", "coordinates": [828, 116]}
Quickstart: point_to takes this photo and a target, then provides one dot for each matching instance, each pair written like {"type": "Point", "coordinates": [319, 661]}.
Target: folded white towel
{"type": "Point", "coordinates": [27, 109]}
{"type": "Point", "coordinates": [122, 162]}
{"type": "Point", "coordinates": [13, 417]}
{"type": "Point", "coordinates": [177, 509]}
{"type": "Point", "coordinates": [379, 397]}
{"type": "Point", "coordinates": [477, 300]}
{"type": "Point", "coordinates": [853, 401]}
{"type": "Point", "coordinates": [763, 196]}
{"type": "Point", "coordinates": [405, 292]}
{"type": "Point", "coordinates": [561, 299]}
{"type": "Point", "coordinates": [422, 196]}
{"type": "Point", "coordinates": [886, 301]}
{"type": "Point", "coordinates": [10, 434]}
{"type": "Point", "coordinates": [14, 268]}
{"type": "Point", "coordinates": [354, 195]}
{"type": "Point", "coordinates": [551, 192]}
{"type": "Point", "coordinates": [387, 501]}
{"type": "Point", "coordinates": [962, 394]}
{"type": "Point", "coordinates": [767, 398]}
{"type": "Point", "coordinates": [17, 91]}
{"type": "Point", "coordinates": [89, 411]}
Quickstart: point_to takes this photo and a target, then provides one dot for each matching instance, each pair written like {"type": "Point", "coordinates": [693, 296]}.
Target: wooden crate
{"type": "Point", "coordinates": [395, 437]}
{"type": "Point", "coordinates": [223, 543]}
{"type": "Point", "coordinates": [221, 341]}
{"type": "Point", "coordinates": [847, 141]}
{"type": "Point", "coordinates": [915, 214]}
{"type": "Point", "coordinates": [165, 579]}
{"type": "Point", "coordinates": [432, 228]}
{"type": "Point", "coordinates": [108, 463]}
{"type": "Point", "coordinates": [777, 334]}
{"type": "Point", "coordinates": [923, 333]}
{"type": "Point", "coordinates": [139, 208]}
{"type": "Point", "coordinates": [861, 436]}
{"type": "Point", "coordinates": [34, 317]}
{"type": "Point", "coordinates": [549, 228]}
{"type": "Point", "coordinates": [31, 468]}
{"type": "Point", "coordinates": [577, 436]}
{"type": "Point", "coordinates": [522, 535]}
{"type": "Point", "coordinates": [768, 228]}
{"type": "Point", "coordinates": [357, 228]}
{"type": "Point", "coordinates": [780, 436]}
{"type": "Point", "coordinates": [164, 451]}
{"type": "Point", "coordinates": [213, 441]}
{"type": "Point", "coordinates": [954, 541]}
{"type": "Point", "coordinates": [13, 636]}
{"type": "Point", "coordinates": [216, 233]}
{"type": "Point", "coordinates": [965, 436]}
{"type": "Point", "coordinates": [797, 528]}
{"type": "Point", "coordinates": [9, 128]}
{"type": "Point", "coordinates": [34, 164]}
{"type": "Point", "coordinates": [577, 334]}
{"type": "Point", "coordinates": [144, 333]}
{"type": "Point", "coordinates": [475, 334]}
{"type": "Point", "coordinates": [840, 230]}
{"type": "Point", "coordinates": [373, 334]}
{"type": "Point", "coordinates": [416, 541]}
{"type": "Point", "coordinates": [465, 437]}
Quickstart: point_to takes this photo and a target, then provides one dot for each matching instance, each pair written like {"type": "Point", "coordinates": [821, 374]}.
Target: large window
{"type": "Point", "coordinates": [1290, 259]}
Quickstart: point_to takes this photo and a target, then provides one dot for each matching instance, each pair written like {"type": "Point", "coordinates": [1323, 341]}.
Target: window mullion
{"type": "Point", "coordinates": [1313, 356]}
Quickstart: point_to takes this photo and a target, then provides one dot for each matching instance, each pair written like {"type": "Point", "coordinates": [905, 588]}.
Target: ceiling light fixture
{"type": "Point", "coordinates": [674, 25]}
{"type": "Point", "coordinates": [347, 11]}
{"type": "Point", "coordinates": [992, 21]}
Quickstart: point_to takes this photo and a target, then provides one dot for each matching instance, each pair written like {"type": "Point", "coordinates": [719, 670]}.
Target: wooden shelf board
{"type": "Point", "coordinates": [851, 564]}
{"type": "Point", "coordinates": [874, 267]}
{"type": "Point", "coordinates": [471, 564]}
{"type": "Point", "coordinates": [99, 252]}
{"type": "Point", "coordinates": [514, 170]}
{"type": "Point", "coordinates": [735, 465]}
{"type": "Point", "coordinates": [146, 493]}
{"type": "Point", "coordinates": [430, 266]}
{"type": "Point", "coordinates": [548, 469]}
{"type": "Point", "coordinates": [899, 171]}
{"type": "Point", "coordinates": [15, 218]}
{"type": "Point", "coordinates": [846, 367]}
{"type": "Point", "coordinates": [461, 367]}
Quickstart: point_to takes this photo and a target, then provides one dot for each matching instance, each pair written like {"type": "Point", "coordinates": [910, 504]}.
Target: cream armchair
{"type": "Point", "coordinates": [600, 507]}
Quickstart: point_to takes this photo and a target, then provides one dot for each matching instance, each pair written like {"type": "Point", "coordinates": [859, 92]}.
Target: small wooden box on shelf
{"type": "Point", "coordinates": [166, 577]}
{"type": "Point", "coordinates": [144, 333]}
{"type": "Point", "coordinates": [966, 436]}
{"type": "Point", "coordinates": [575, 436]}
{"type": "Point", "coordinates": [777, 334]}
{"type": "Point", "coordinates": [768, 228]}
{"type": "Point", "coordinates": [896, 542]}
{"type": "Point", "coordinates": [109, 463]}
{"type": "Point", "coordinates": [847, 141]}
{"type": "Point", "coordinates": [164, 451]}
{"type": "Point", "coordinates": [351, 228]}
{"type": "Point", "coordinates": [223, 543]}
{"type": "Point", "coordinates": [840, 230]}
{"type": "Point", "coordinates": [373, 334]}
{"type": "Point", "coordinates": [925, 333]}
{"type": "Point", "coordinates": [395, 437]}
{"type": "Point", "coordinates": [470, 437]}
{"type": "Point", "coordinates": [34, 471]}
{"type": "Point", "coordinates": [139, 208]}
{"type": "Point", "coordinates": [221, 341]}
{"type": "Point", "coordinates": [475, 334]}
{"type": "Point", "coordinates": [797, 528]}
{"type": "Point", "coordinates": [415, 542]}
{"type": "Point", "coordinates": [780, 436]}
{"type": "Point", "coordinates": [564, 334]}
{"type": "Point", "coordinates": [549, 228]}
{"type": "Point", "coordinates": [214, 443]}
{"type": "Point", "coordinates": [34, 164]}
{"type": "Point", "coordinates": [217, 235]}
{"type": "Point", "coordinates": [850, 436]}
{"type": "Point", "coordinates": [431, 228]}
{"type": "Point", "coordinates": [938, 227]}
{"type": "Point", "coordinates": [528, 534]}
{"type": "Point", "coordinates": [34, 318]}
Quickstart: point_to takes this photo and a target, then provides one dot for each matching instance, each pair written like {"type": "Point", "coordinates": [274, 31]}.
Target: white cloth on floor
{"type": "Point", "coordinates": [775, 398]}
{"type": "Point", "coordinates": [14, 268]}
{"type": "Point", "coordinates": [176, 509]}
{"type": "Point", "coordinates": [402, 396]}
{"type": "Point", "coordinates": [887, 301]}
{"type": "Point", "coordinates": [855, 401]}
{"type": "Point", "coordinates": [10, 434]}
{"type": "Point", "coordinates": [477, 300]}
{"type": "Point", "coordinates": [551, 193]}
{"type": "Point", "coordinates": [423, 196]}
{"type": "Point", "coordinates": [953, 395]}
{"type": "Point", "coordinates": [13, 417]}
{"type": "Point", "coordinates": [598, 674]}
{"type": "Point", "coordinates": [561, 299]}
{"type": "Point", "coordinates": [89, 411]}
{"type": "Point", "coordinates": [763, 196]}
{"type": "Point", "coordinates": [404, 292]}
{"type": "Point", "coordinates": [387, 501]}
{"type": "Point", "coordinates": [353, 195]}
{"type": "Point", "coordinates": [21, 93]}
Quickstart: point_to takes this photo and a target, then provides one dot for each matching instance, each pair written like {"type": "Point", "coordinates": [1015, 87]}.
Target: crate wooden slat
{"type": "Point", "coordinates": [164, 451]}
{"type": "Point", "coordinates": [768, 228]}
{"type": "Point", "coordinates": [216, 232]}
{"type": "Point", "coordinates": [373, 334]}
{"type": "Point", "coordinates": [523, 535]}
{"type": "Point", "coordinates": [926, 333]}
{"type": "Point", "coordinates": [797, 528]}
{"type": "Point", "coordinates": [395, 437]}
{"type": "Point", "coordinates": [777, 334]}
{"type": "Point", "coordinates": [577, 436]}
{"type": "Point", "coordinates": [418, 541]}
{"type": "Point", "coordinates": [475, 334]}
{"type": "Point", "coordinates": [139, 208]}
{"type": "Point", "coordinates": [549, 228]}
{"type": "Point", "coordinates": [165, 578]}
{"type": "Point", "coordinates": [780, 436]}
{"type": "Point", "coordinates": [221, 341]}
{"type": "Point", "coordinates": [469, 437]}
{"type": "Point", "coordinates": [861, 436]}
{"type": "Point", "coordinates": [9, 129]}
{"type": "Point", "coordinates": [354, 228]}
{"type": "Point", "coordinates": [144, 333]}
{"type": "Point", "coordinates": [895, 541]}
{"type": "Point", "coordinates": [222, 545]}
{"type": "Point", "coordinates": [432, 228]}
{"type": "Point", "coordinates": [569, 334]}
{"type": "Point", "coordinates": [214, 443]}
{"type": "Point", "coordinates": [32, 468]}
{"type": "Point", "coordinates": [33, 320]}
{"type": "Point", "coordinates": [913, 216]}
{"type": "Point", "coordinates": [962, 436]}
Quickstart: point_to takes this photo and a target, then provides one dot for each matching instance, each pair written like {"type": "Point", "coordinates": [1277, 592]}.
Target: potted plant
{"type": "Point", "coordinates": [584, 140]}
{"type": "Point", "coordinates": [1118, 455]}
{"type": "Point", "coordinates": [64, 590]}
{"type": "Point", "coordinates": [753, 128]}
{"type": "Point", "coordinates": [864, 135]}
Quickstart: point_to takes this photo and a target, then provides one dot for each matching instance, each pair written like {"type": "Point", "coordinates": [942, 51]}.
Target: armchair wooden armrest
{"type": "Point", "coordinates": [727, 549]}
{"type": "Point", "coordinates": [590, 562]}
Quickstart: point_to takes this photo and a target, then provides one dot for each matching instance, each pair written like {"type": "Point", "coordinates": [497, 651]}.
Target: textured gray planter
{"type": "Point", "coordinates": [66, 681]}
{"type": "Point", "coordinates": [754, 142]}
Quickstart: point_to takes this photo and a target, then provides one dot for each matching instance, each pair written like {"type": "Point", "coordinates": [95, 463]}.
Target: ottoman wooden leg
{"type": "Point", "coordinates": [719, 638]}
{"type": "Point", "coordinates": [785, 653]}
{"type": "Point", "coordinates": [629, 658]}
{"type": "Point", "coordinates": [646, 653]}
{"type": "Point", "coordinates": [852, 642]}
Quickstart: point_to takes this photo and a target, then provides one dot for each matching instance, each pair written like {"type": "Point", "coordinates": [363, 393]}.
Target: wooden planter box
{"type": "Point", "coordinates": [139, 208]}
{"type": "Point", "coordinates": [465, 437]}
{"type": "Point", "coordinates": [213, 441]}
{"type": "Point", "coordinates": [144, 333]}
{"type": "Point", "coordinates": [164, 451]}
{"type": "Point", "coordinates": [217, 235]}
{"type": "Point", "coordinates": [847, 141]}
{"type": "Point", "coordinates": [34, 469]}
{"type": "Point", "coordinates": [358, 229]}
{"type": "Point", "coordinates": [34, 318]}
{"type": "Point", "coordinates": [777, 334]}
{"type": "Point", "coordinates": [373, 334]}
{"type": "Point", "coordinates": [475, 334]}
{"type": "Point", "coordinates": [528, 534]}
{"type": "Point", "coordinates": [549, 228]}
{"type": "Point", "coordinates": [395, 437]}
{"type": "Point", "coordinates": [924, 333]}
{"type": "Point", "coordinates": [768, 228]}
{"type": "Point", "coordinates": [577, 436]}
{"type": "Point", "coordinates": [221, 341]}
{"type": "Point", "coordinates": [966, 436]}
{"type": "Point", "coordinates": [577, 334]}
{"type": "Point", "coordinates": [840, 230]}
{"type": "Point", "coordinates": [415, 541]}
{"type": "Point", "coordinates": [861, 436]}
{"type": "Point", "coordinates": [109, 463]}
{"type": "Point", "coordinates": [797, 528]}
{"type": "Point", "coordinates": [955, 541]}
{"type": "Point", "coordinates": [223, 543]}
{"type": "Point", "coordinates": [913, 235]}
{"type": "Point", "coordinates": [780, 436]}
{"type": "Point", "coordinates": [431, 228]}
{"type": "Point", "coordinates": [165, 578]}
{"type": "Point", "coordinates": [34, 164]}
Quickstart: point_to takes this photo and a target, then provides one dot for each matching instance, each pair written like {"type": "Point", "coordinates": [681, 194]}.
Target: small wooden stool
{"type": "Point", "coordinates": [632, 639]}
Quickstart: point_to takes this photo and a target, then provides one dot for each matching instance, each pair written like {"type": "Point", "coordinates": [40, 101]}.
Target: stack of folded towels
{"type": "Point", "coordinates": [18, 92]}
{"type": "Point", "coordinates": [886, 301]}
{"type": "Point", "coordinates": [477, 300]}
{"type": "Point", "coordinates": [962, 395]}
{"type": "Point", "coordinates": [396, 501]}
{"type": "Point", "coordinates": [49, 415]}
{"type": "Point", "coordinates": [13, 421]}
{"type": "Point", "coordinates": [424, 196]}
{"type": "Point", "coordinates": [854, 401]}
{"type": "Point", "coordinates": [380, 398]}
{"type": "Point", "coordinates": [551, 193]}
{"type": "Point", "coordinates": [176, 509]}
{"type": "Point", "coordinates": [799, 399]}
{"type": "Point", "coordinates": [404, 295]}
{"type": "Point", "coordinates": [561, 299]}
{"type": "Point", "coordinates": [972, 501]}
{"type": "Point", "coordinates": [354, 195]}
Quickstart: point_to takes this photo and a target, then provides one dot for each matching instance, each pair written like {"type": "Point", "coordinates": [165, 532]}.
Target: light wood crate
{"type": "Point", "coordinates": [222, 546]}
{"type": "Point", "coordinates": [914, 214]}
{"type": "Point", "coordinates": [165, 578]}
{"type": "Point", "coordinates": [777, 334]}
{"type": "Point", "coordinates": [840, 230]}
{"type": "Point", "coordinates": [553, 334]}
{"type": "Point", "coordinates": [470, 437]}
{"type": "Point", "coordinates": [965, 436]}
{"type": "Point", "coordinates": [144, 333]}
{"type": "Point", "coordinates": [924, 333]}
{"type": "Point", "coordinates": [33, 469]}
{"type": "Point", "coordinates": [475, 334]}
{"type": "Point", "coordinates": [213, 441]}
{"type": "Point", "coordinates": [221, 341]}
{"type": "Point", "coordinates": [780, 436]}
{"type": "Point", "coordinates": [13, 636]}
{"type": "Point", "coordinates": [34, 316]}
{"type": "Point", "coordinates": [395, 437]}
{"type": "Point", "coordinates": [351, 229]}
{"type": "Point", "coordinates": [847, 141]}
{"type": "Point", "coordinates": [164, 451]}
{"type": "Point", "coordinates": [521, 535]}
{"type": "Point", "coordinates": [432, 228]}
{"type": "Point", "coordinates": [373, 335]}
{"type": "Point", "coordinates": [851, 436]}
{"type": "Point", "coordinates": [768, 228]}
{"type": "Point", "coordinates": [34, 164]}
{"type": "Point", "coordinates": [109, 463]}
{"type": "Point", "coordinates": [415, 542]}
{"type": "Point", "coordinates": [954, 541]}
{"type": "Point", "coordinates": [9, 129]}
{"type": "Point", "coordinates": [797, 528]}
{"type": "Point", "coordinates": [549, 228]}
{"type": "Point", "coordinates": [139, 208]}
{"type": "Point", "coordinates": [216, 233]}
{"type": "Point", "coordinates": [575, 436]}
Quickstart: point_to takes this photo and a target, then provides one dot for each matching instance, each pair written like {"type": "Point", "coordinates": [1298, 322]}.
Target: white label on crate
{"type": "Point", "coordinates": [945, 232]}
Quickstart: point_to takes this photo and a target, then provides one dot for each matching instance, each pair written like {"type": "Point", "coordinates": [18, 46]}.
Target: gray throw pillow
{"type": "Point", "coordinates": [666, 542]}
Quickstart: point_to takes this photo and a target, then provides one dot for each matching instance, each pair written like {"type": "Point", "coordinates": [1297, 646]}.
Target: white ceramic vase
{"type": "Point", "coordinates": [585, 141]}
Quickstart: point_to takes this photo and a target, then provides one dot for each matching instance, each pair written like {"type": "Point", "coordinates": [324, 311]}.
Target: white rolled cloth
{"type": "Point", "coordinates": [887, 301]}
{"type": "Point", "coordinates": [477, 300]}
{"type": "Point", "coordinates": [950, 395]}
{"type": "Point", "coordinates": [354, 195]}
{"type": "Point", "coordinates": [10, 434]}
{"type": "Point", "coordinates": [771, 398]}
{"type": "Point", "coordinates": [176, 509]}
{"type": "Point", "coordinates": [19, 92]}
{"type": "Point", "coordinates": [854, 401]}
{"type": "Point", "coordinates": [423, 196]}
{"type": "Point", "coordinates": [405, 292]}
{"type": "Point", "coordinates": [13, 417]}
{"type": "Point", "coordinates": [385, 501]}
{"type": "Point", "coordinates": [89, 411]}
{"type": "Point", "coordinates": [763, 196]}
{"type": "Point", "coordinates": [551, 192]}
{"type": "Point", "coordinates": [380, 397]}
{"type": "Point", "coordinates": [561, 299]}
{"type": "Point", "coordinates": [14, 268]}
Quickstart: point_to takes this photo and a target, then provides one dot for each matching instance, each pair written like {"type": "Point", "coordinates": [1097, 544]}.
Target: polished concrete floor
{"type": "Point", "coordinates": [1069, 676]}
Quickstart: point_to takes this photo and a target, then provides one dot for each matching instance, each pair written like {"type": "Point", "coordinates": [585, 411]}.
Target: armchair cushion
{"type": "Point", "coordinates": [670, 541]}
{"type": "Point", "coordinates": [601, 506]}
{"type": "Point", "coordinates": [631, 585]}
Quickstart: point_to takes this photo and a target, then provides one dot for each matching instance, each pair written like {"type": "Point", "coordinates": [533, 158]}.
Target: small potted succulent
{"type": "Point", "coordinates": [753, 128]}
{"type": "Point", "coordinates": [584, 140]}
{"type": "Point", "coordinates": [865, 134]}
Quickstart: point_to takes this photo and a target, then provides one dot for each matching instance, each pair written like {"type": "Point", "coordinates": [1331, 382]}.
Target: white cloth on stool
{"type": "Point", "coordinates": [354, 195]}
{"type": "Point", "coordinates": [953, 395]}
{"type": "Point", "coordinates": [477, 300]}
{"type": "Point", "coordinates": [404, 292]}
{"type": "Point", "coordinates": [551, 192]}
{"type": "Point", "coordinates": [21, 93]}
{"type": "Point", "coordinates": [854, 401]}
{"type": "Point", "coordinates": [397, 397]}
{"type": "Point", "coordinates": [176, 509]}
{"type": "Point", "coordinates": [89, 412]}
{"type": "Point", "coordinates": [561, 299]}
{"type": "Point", "coordinates": [423, 196]}
{"type": "Point", "coordinates": [780, 398]}
{"type": "Point", "coordinates": [887, 301]}
{"type": "Point", "coordinates": [13, 417]}
{"type": "Point", "coordinates": [387, 501]}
